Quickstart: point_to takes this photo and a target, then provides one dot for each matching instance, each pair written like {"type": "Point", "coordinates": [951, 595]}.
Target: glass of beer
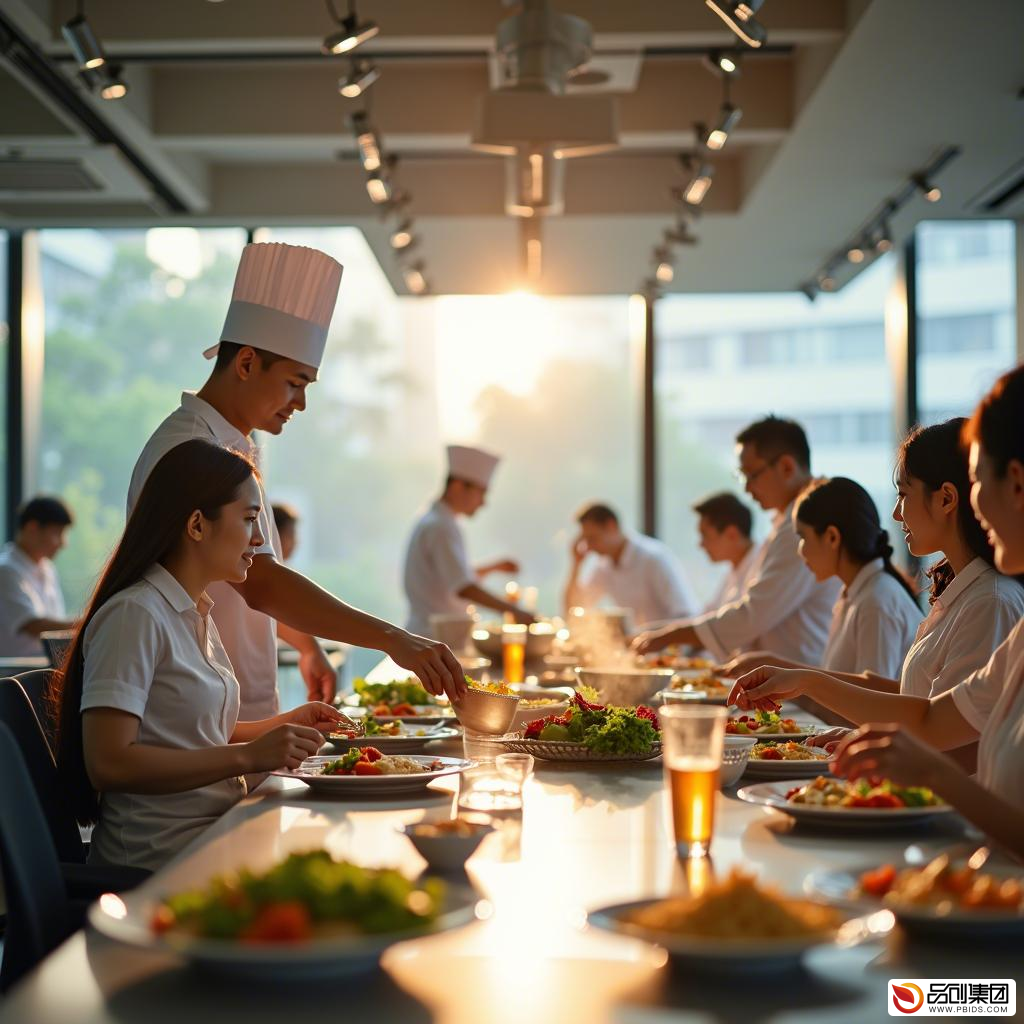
{"type": "Point", "coordinates": [513, 650]}
{"type": "Point", "coordinates": [692, 737]}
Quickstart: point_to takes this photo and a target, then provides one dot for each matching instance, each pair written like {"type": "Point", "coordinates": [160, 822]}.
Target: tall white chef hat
{"type": "Point", "coordinates": [283, 301]}
{"type": "Point", "coordinates": [472, 464]}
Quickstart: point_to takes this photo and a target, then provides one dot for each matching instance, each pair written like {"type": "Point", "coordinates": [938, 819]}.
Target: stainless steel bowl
{"type": "Point", "coordinates": [540, 638]}
{"type": "Point", "coordinates": [483, 711]}
{"type": "Point", "coordinates": [625, 687]}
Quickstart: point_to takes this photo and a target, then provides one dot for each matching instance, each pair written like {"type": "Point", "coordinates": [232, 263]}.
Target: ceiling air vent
{"type": "Point", "coordinates": [45, 176]}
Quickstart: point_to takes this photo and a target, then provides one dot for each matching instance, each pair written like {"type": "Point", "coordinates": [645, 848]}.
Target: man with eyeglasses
{"type": "Point", "coordinates": [784, 607]}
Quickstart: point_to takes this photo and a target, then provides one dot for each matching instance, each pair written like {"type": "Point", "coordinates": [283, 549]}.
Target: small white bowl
{"type": "Point", "coordinates": [734, 759]}
{"type": "Point", "coordinates": [446, 852]}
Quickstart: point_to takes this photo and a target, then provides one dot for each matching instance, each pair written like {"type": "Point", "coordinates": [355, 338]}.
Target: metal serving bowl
{"type": "Point", "coordinates": [539, 639]}
{"type": "Point", "coordinates": [625, 687]}
{"type": "Point", "coordinates": [484, 711]}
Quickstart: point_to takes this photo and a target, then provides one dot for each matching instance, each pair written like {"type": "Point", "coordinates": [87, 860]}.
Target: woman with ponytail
{"type": "Point", "coordinates": [987, 704]}
{"type": "Point", "coordinates": [149, 746]}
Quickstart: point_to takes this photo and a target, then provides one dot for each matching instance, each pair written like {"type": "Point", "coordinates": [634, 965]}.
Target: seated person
{"type": "Point", "coordinates": [906, 732]}
{"type": "Point", "coordinates": [31, 601]}
{"type": "Point", "coordinates": [286, 519]}
{"type": "Point", "coordinates": [784, 608]}
{"type": "Point", "coordinates": [635, 571]}
{"type": "Point", "coordinates": [724, 524]}
{"type": "Point", "coordinates": [149, 745]}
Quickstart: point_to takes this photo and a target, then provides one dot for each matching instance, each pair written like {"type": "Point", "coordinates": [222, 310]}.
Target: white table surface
{"type": "Point", "coordinates": [588, 837]}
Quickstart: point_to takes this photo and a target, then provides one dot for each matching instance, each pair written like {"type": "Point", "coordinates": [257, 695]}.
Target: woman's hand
{"type": "Point", "coordinates": [318, 715]}
{"type": "Point", "coordinates": [890, 751]}
{"type": "Point", "coordinates": [653, 640]}
{"type": "Point", "coordinates": [431, 662]}
{"type": "Point", "coordinates": [284, 746]}
{"type": "Point", "coordinates": [744, 663]}
{"type": "Point", "coordinates": [765, 687]}
{"type": "Point", "coordinates": [830, 739]}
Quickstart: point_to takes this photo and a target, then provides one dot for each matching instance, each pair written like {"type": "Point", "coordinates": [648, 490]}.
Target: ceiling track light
{"type": "Point", "coordinates": [725, 64]}
{"type": "Point", "coordinates": [680, 235]}
{"type": "Point", "coordinates": [85, 46]}
{"type": "Point", "coordinates": [856, 253]}
{"type": "Point", "coordinates": [414, 278]}
{"type": "Point", "coordinates": [358, 80]}
{"type": "Point", "coordinates": [402, 237]}
{"type": "Point", "coordinates": [114, 86]}
{"type": "Point", "coordinates": [930, 191]}
{"type": "Point", "coordinates": [378, 187]}
{"type": "Point", "coordinates": [351, 32]}
{"type": "Point", "coordinates": [883, 239]}
{"type": "Point", "coordinates": [740, 18]}
{"type": "Point", "coordinates": [716, 138]}
{"type": "Point", "coordinates": [697, 189]}
{"type": "Point", "coordinates": [366, 140]}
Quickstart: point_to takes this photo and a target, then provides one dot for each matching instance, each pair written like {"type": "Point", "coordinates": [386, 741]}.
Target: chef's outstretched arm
{"type": "Point", "coordinates": [477, 595]}
{"type": "Point", "coordinates": [297, 601]}
{"type": "Point", "coordinates": [502, 565]}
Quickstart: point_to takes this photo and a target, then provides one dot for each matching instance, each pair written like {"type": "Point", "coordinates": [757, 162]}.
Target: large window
{"type": "Point", "coordinates": [547, 383]}
{"type": "Point", "coordinates": [966, 311]}
{"type": "Point", "coordinates": [724, 361]}
{"type": "Point", "coordinates": [128, 314]}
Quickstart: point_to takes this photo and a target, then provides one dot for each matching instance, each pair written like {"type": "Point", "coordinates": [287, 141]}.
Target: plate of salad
{"type": "Point", "coordinates": [391, 737]}
{"type": "Point", "coordinates": [769, 725]}
{"type": "Point", "coordinates": [588, 731]}
{"type": "Point", "coordinates": [369, 770]}
{"type": "Point", "coordinates": [307, 917]}
{"type": "Point", "coordinates": [827, 800]}
{"type": "Point", "coordinates": [776, 759]}
{"type": "Point", "coordinates": [400, 700]}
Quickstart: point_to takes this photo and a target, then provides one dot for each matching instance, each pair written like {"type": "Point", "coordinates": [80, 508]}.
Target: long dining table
{"type": "Point", "coordinates": [588, 836]}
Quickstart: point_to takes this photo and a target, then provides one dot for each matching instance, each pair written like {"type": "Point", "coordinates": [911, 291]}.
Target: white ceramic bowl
{"type": "Point", "coordinates": [524, 715]}
{"type": "Point", "coordinates": [625, 687]}
{"type": "Point", "coordinates": [734, 759]}
{"type": "Point", "coordinates": [446, 852]}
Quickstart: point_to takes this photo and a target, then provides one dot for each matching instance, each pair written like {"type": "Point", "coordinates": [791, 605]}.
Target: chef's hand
{"type": "Point", "coordinates": [830, 739]}
{"type": "Point", "coordinates": [506, 565]}
{"type": "Point", "coordinates": [763, 688]}
{"type": "Point", "coordinates": [431, 662]}
{"type": "Point", "coordinates": [891, 752]}
{"type": "Point", "coordinates": [744, 663]}
{"type": "Point", "coordinates": [653, 640]}
{"type": "Point", "coordinates": [317, 715]}
{"type": "Point", "coordinates": [319, 675]}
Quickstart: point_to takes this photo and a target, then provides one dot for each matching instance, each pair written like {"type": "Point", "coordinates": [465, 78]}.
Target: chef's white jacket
{"type": "Point", "coordinates": [28, 590]}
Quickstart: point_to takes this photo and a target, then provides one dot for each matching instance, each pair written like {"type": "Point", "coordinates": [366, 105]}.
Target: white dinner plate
{"type": "Point", "coordinates": [310, 770]}
{"type": "Point", "coordinates": [426, 714]}
{"type": "Point", "coordinates": [705, 954]}
{"type": "Point", "coordinates": [126, 918]}
{"type": "Point", "coordinates": [805, 731]}
{"type": "Point", "coordinates": [412, 738]}
{"type": "Point", "coordinates": [773, 794]}
{"type": "Point", "coordinates": [839, 886]}
{"type": "Point", "coordinates": [787, 769]}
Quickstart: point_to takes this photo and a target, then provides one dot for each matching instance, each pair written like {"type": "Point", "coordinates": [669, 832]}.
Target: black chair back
{"type": "Point", "coordinates": [17, 713]}
{"type": "Point", "coordinates": [35, 684]}
{"type": "Point", "coordinates": [38, 918]}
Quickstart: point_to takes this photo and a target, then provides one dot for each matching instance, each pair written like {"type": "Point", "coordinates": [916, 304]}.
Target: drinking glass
{"type": "Point", "coordinates": [513, 651]}
{"type": "Point", "coordinates": [516, 768]}
{"type": "Point", "coordinates": [692, 739]}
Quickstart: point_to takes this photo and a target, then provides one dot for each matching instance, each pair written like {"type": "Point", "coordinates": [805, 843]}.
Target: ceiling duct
{"type": "Point", "coordinates": [530, 119]}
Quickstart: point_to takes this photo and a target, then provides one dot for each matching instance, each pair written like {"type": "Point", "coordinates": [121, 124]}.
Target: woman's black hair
{"type": "Point", "coordinates": [844, 504]}
{"type": "Point", "coordinates": [935, 456]}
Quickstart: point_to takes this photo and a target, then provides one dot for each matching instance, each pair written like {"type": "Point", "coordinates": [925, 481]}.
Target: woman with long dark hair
{"type": "Point", "coordinates": [973, 605]}
{"type": "Point", "coordinates": [149, 746]}
{"type": "Point", "coordinates": [989, 703]}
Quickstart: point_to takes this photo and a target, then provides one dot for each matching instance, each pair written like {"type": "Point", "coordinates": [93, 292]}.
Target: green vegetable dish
{"type": "Point", "coordinates": [605, 730]}
{"type": "Point", "coordinates": [306, 896]}
{"type": "Point", "coordinates": [399, 692]}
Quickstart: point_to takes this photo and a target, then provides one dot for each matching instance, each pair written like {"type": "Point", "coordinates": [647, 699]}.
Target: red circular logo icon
{"type": "Point", "coordinates": [908, 992]}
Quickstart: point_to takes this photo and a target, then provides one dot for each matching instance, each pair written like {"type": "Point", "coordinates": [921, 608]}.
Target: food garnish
{"type": "Point", "coordinates": [767, 750]}
{"type": "Point", "coordinates": [866, 792]}
{"type": "Point", "coordinates": [760, 722]}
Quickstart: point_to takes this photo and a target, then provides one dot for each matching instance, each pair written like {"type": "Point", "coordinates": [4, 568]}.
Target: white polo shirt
{"type": "Point", "coordinates": [249, 636]}
{"type": "Point", "coordinates": [436, 568]}
{"type": "Point", "coordinates": [28, 590]}
{"type": "Point", "coordinates": [992, 700]}
{"type": "Point", "coordinates": [874, 623]}
{"type": "Point", "coordinates": [785, 609]}
{"type": "Point", "coordinates": [647, 578]}
{"type": "Point", "coordinates": [736, 581]}
{"type": "Point", "coordinates": [969, 620]}
{"type": "Point", "coordinates": [152, 652]}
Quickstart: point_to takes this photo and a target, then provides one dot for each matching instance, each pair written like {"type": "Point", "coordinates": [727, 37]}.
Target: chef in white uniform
{"type": "Point", "coordinates": [784, 608]}
{"type": "Point", "coordinates": [269, 353]}
{"type": "Point", "coordinates": [637, 572]}
{"type": "Point", "coordinates": [724, 524]}
{"type": "Point", "coordinates": [438, 576]}
{"type": "Point", "coordinates": [31, 601]}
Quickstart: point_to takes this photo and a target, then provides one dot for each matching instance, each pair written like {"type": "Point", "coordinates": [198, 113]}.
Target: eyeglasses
{"type": "Point", "coordinates": [749, 478]}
